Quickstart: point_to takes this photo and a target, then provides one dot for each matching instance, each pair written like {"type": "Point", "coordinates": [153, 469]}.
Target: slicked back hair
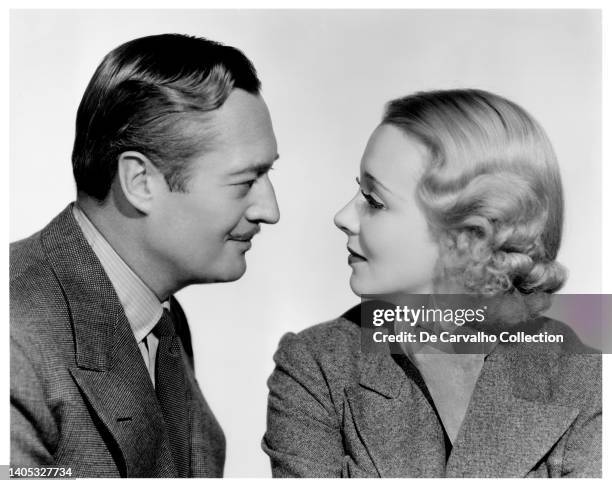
{"type": "Point", "coordinates": [154, 95]}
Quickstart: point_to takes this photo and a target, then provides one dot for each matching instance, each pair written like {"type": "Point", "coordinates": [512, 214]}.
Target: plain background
{"type": "Point", "coordinates": [326, 76]}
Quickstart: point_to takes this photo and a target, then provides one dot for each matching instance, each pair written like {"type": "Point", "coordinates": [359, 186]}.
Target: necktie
{"type": "Point", "coordinates": [171, 390]}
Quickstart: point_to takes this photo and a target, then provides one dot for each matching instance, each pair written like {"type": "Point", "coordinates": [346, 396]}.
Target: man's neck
{"type": "Point", "coordinates": [124, 233]}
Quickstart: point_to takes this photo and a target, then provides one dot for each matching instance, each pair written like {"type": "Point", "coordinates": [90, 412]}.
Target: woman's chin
{"type": "Point", "coordinates": [361, 287]}
{"type": "Point", "coordinates": [357, 286]}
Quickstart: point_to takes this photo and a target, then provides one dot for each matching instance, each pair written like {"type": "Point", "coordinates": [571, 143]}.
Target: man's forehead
{"type": "Point", "coordinates": [239, 135]}
{"type": "Point", "coordinates": [242, 113]}
{"type": "Point", "coordinates": [234, 159]}
{"type": "Point", "coordinates": [242, 153]}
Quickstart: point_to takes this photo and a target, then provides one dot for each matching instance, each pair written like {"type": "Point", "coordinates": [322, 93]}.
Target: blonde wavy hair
{"type": "Point", "coordinates": [491, 193]}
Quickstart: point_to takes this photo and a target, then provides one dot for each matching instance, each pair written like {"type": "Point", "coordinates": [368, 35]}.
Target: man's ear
{"type": "Point", "coordinates": [138, 178]}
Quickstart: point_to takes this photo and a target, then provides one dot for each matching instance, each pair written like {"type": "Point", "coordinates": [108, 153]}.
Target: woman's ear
{"type": "Point", "coordinates": [138, 178]}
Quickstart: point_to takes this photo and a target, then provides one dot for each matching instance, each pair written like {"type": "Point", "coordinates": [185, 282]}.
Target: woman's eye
{"type": "Point", "coordinates": [373, 203]}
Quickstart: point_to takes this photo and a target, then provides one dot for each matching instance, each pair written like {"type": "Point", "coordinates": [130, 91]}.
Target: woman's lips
{"type": "Point", "coordinates": [354, 257]}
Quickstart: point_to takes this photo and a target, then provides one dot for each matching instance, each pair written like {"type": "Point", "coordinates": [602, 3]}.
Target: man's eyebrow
{"type": "Point", "coordinates": [257, 167]}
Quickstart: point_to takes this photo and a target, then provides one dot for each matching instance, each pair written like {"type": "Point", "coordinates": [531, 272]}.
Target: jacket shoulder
{"type": "Point", "coordinates": [336, 337]}
{"type": "Point", "coordinates": [31, 277]}
{"type": "Point", "coordinates": [566, 371]}
{"type": "Point", "coordinates": [579, 366]}
{"type": "Point", "coordinates": [26, 255]}
{"type": "Point", "coordinates": [326, 354]}
{"type": "Point", "coordinates": [38, 308]}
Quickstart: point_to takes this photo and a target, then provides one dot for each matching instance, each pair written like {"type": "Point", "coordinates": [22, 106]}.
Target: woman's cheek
{"type": "Point", "coordinates": [369, 238]}
{"type": "Point", "coordinates": [387, 235]}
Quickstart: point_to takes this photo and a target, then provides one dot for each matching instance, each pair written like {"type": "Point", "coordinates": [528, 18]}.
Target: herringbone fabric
{"type": "Point", "coordinates": [336, 411]}
{"type": "Point", "coordinates": [141, 306]}
{"type": "Point", "coordinates": [81, 395]}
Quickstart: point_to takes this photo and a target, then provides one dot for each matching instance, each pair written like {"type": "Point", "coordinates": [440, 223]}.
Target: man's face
{"type": "Point", "coordinates": [201, 235]}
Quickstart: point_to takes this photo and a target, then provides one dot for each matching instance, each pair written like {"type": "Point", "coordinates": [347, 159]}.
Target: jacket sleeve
{"type": "Point", "coordinates": [582, 456]}
{"type": "Point", "coordinates": [303, 437]}
{"type": "Point", "coordinates": [33, 428]}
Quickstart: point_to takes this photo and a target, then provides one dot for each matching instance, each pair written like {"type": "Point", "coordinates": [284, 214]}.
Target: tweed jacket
{"type": "Point", "coordinates": [335, 411]}
{"type": "Point", "coordinates": [81, 396]}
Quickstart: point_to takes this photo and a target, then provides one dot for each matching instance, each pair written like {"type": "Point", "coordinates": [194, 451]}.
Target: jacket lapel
{"type": "Point", "coordinates": [395, 421]}
{"type": "Point", "coordinates": [511, 421]}
{"type": "Point", "coordinates": [110, 370]}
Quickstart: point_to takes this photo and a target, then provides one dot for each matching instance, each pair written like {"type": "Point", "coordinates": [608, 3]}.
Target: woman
{"type": "Point", "coordinates": [459, 192]}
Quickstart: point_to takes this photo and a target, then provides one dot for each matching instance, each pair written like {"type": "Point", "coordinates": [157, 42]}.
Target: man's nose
{"type": "Point", "coordinates": [265, 207]}
{"type": "Point", "coordinates": [347, 219]}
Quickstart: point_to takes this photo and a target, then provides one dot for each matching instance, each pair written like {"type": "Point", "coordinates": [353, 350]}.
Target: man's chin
{"type": "Point", "coordinates": [229, 273]}
{"type": "Point", "coordinates": [232, 277]}
{"type": "Point", "coordinates": [232, 272]}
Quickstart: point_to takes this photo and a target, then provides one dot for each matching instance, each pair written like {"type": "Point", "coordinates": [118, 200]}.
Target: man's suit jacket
{"type": "Point", "coordinates": [81, 396]}
{"type": "Point", "coordinates": [337, 411]}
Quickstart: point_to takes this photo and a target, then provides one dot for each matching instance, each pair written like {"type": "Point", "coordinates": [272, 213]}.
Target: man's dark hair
{"type": "Point", "coordinates": [144, 96]}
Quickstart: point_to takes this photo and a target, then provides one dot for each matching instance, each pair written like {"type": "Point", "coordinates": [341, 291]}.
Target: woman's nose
{"type": "Point", "coordinates": [347, 219]}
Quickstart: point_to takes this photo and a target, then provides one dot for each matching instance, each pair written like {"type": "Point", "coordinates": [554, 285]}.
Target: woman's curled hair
{"type": "Point", "coordinates": [491, 193]}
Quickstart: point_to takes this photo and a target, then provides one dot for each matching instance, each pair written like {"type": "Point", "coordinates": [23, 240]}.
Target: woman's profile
{"type": "Point", "coordinates": [459, 192]}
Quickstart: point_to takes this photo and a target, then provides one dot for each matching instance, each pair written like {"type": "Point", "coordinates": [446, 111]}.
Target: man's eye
{"type": "Point", "coordinates": [246, 184]}
{"type": "Point", "coordinates": [243, 188]}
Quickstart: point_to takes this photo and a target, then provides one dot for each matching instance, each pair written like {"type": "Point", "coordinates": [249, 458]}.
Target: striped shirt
{"type": "Point", "coordinates": [142, 307]}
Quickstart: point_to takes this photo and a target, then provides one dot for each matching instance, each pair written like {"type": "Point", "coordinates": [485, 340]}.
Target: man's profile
{"type": "Point", "coordinates": [171, 157]}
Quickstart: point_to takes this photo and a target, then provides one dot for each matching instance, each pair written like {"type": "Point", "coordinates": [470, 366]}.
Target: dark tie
{"type": "Point", "coordinates": [171, 390]}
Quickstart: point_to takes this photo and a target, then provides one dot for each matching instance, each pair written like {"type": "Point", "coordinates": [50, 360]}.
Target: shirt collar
{"type": "Point", "coordinates": [142, 307]}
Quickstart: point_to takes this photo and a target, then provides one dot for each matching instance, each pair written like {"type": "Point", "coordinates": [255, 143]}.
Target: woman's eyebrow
{"type": "Point", "coordinates": [373, 179]}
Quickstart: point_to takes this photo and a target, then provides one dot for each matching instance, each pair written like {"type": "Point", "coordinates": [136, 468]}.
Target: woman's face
{"type": "Point", "coordinates": [390, 247]}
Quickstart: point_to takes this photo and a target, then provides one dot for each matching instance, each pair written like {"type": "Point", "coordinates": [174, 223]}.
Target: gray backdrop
{"type": "Point", "coordinates": [326, 76]}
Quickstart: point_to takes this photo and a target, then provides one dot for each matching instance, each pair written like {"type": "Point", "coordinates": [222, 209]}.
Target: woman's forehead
{"type": "Point", "coordinates": [394, 158]}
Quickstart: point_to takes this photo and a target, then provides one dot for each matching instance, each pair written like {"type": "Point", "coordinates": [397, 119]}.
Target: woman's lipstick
{"type": "Point", "coordinates": [354, 257]}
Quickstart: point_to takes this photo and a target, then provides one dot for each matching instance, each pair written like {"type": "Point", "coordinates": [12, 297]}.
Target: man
{"type": "Point", "coordinates": [171, 157]}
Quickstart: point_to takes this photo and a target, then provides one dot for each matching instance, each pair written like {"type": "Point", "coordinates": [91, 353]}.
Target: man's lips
{"type": "Point", "coordinates": [244, 236]}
